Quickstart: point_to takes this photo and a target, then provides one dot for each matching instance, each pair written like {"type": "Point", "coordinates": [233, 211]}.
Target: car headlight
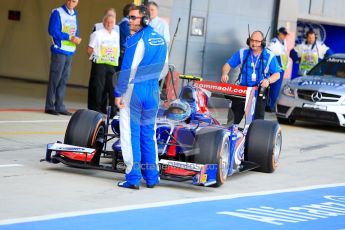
{"type": "Point", "coordinates": [288, 91]}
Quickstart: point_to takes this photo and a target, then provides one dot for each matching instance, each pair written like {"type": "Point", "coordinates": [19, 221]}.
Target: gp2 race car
{"type": "Point", "coordinates": [193, 147]}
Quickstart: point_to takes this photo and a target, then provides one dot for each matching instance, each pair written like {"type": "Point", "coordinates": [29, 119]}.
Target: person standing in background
{"type": "Point", "coordinates": [100, 25]}
{"type": "Point", "coordinates": [103, 51]}
{"type": "Point", "coordinates": [108, 93]}
{"type": "Point", "coordinates": [309, 53]}
{"type": "Point", "coordinates": [157, 23]}
{"type": "Point", "coordinates": [63, 28]}
{"type": "Point", "coordinates": [124, 32]}
{"type": "Point", "coordinates": [279, 48]}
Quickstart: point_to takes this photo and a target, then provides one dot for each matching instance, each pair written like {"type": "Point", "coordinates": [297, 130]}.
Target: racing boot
{"type": "Point", "coordinates": [150, 185]}
{"type": "Point", "coordinates": [125, 184]}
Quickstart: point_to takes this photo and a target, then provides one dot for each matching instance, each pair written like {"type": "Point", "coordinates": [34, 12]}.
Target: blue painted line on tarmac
{"type": "Point", "coordinates": [322, 208]}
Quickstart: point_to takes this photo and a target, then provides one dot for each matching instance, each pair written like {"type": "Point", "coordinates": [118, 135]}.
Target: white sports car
{"type": "Point", "coordinates": [318, 96]}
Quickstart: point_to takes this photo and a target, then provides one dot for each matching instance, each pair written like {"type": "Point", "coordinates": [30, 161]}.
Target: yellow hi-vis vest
{"type": "Point", "coordinates": [106, 46]}
{"type": "Point", "coordinates": [69, 26]}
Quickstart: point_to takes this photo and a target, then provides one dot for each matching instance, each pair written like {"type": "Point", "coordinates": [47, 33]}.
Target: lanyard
{"type": "Point", "coordinates": [254, 65]}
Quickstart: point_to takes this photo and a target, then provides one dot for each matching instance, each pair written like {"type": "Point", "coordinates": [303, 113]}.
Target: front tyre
{"type": "Point", "coordinates": [86, 128]}
{"type": "Point", "coordinates": [212, 146]}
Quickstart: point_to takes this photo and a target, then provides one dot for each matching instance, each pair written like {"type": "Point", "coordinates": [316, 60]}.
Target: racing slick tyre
{"type": "Point", "coordinates": [86, 129]}
{"type": "Point", "coordinates": [263, 145]}
{"type": "Point", "coordinates": [286, 121]}
{"type": "Point", "coordinates": [212, 146]}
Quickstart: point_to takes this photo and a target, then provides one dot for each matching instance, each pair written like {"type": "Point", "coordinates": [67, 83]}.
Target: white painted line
{"type": "Point", "coordinates": [33, 121]}
{"type": "Point", "coordinates": [11, 165]}
{"type": "Point", "coordinates": [160, 204]}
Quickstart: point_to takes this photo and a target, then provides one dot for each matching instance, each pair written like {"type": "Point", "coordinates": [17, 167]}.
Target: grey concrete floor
{"type": "Point", "coordinates": [312, 154]}
{"type": "Point", "coordinates": [16, 94]}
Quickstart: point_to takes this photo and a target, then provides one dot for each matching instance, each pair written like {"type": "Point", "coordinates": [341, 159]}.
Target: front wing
{"type": "Point", "coordinates": [200, 174]}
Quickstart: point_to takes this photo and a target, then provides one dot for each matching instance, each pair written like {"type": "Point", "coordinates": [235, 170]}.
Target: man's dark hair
{"type": "Point", "coordinates": [143, 10]}
{"type": "Point", "coordinates": [127, 8]}
{"type": "Point", "coordinates": [145, 14]}
{"type": "Point", "coordinates": [311, 31]}
{"type": "Point", "coordinates": [152, 3]}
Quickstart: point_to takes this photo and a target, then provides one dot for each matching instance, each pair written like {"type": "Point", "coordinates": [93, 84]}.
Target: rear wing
{"type": "Point", "coordinates": [229, 91]}
{"type": "Point", "coordinates": [223, 88]}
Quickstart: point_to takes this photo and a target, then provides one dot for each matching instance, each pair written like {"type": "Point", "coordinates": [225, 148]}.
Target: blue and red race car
{"type": "Point", "coordinates": [192, 144]}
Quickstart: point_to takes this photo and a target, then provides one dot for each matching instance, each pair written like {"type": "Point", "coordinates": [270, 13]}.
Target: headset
{"type": "Point", "coordinates": [145, 19]}
{"type": "Point", "coordinates": [263, 42]}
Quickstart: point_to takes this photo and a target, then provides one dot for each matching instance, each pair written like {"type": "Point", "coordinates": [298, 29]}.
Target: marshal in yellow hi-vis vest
{"type": "Point", "coordinates": [308, 60]}
{"type": "Point", "coordinates": [109, 54]}
{"type": "Point", "coordinates": [106, 46]}
{"type": "Point", "coordinates": [69, 26]}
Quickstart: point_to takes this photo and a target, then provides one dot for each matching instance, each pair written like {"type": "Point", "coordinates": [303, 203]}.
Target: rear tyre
{"type": "Point", "coordinates": [263, 145]}
{"type": "Point", "coordinates": [286, 121]}
{"type": "Point", "coordinates": [212, 146]}
{"type": "Point", "coordinates": [86, 128]}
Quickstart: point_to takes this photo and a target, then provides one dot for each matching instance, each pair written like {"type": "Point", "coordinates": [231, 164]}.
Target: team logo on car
{"type": "Point", "coordinates": [317, 96]}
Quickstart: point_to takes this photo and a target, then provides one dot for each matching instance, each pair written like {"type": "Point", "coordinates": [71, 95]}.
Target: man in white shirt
{"type": "Point", "coordinates": [108, 97]}
{"type": "Point", "coordinates": [157, 23]}
{"type": "Point", "coordinates": [103, 50]}
{"type": "Point", "coordinates": [99, 25]}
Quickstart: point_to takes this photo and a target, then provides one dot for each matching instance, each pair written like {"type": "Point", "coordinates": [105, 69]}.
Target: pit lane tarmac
{"type": "Point", "coordinates": [312, 155]}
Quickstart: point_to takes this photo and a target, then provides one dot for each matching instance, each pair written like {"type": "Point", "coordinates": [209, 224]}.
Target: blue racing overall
{"type": "Point", "coordinates": [143, 63]}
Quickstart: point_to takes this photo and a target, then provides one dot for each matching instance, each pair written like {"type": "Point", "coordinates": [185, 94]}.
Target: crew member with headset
{"type": "Point", "coordinates": [309, 53]}
{"type": "Point", "coordinates": [279, 48]}
{"type": "Point", "coordinates": [259, 67]}
{"type": "Point", "coordinates": [137, 96]}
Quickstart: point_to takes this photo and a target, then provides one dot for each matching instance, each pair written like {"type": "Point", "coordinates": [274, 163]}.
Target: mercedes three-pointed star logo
{"type": "Point", "coordinates": [317, 96]}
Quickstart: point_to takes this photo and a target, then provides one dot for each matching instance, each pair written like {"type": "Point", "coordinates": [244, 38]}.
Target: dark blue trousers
{"type": "Point", "coordinates": [60, 68]}
{"type": "Point", "coordinates": [274, 92]}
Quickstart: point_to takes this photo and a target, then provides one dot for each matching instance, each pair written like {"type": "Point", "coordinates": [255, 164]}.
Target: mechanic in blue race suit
{"type": "Point", "coordinates": [279, 48]}
{"type": "Point", "coordinates": [259, 67]}
{"type": "Point", "coordinates": [63, 28]}
{"type": "Point", "coordinates": [137, 96]}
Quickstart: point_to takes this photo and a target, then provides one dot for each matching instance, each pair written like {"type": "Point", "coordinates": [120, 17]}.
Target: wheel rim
{"type": "Point", "coordinates": [277, 149]}
{"type": "Point", "coordinates": [224, 159]}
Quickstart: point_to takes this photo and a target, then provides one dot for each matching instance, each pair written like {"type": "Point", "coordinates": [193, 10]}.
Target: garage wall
{"type": "Point", "coordinates": [325, 11]}
{"type": "Point", "coordinates": [226, 30]}
{"type": "Point", "coordinates": [25, 44]}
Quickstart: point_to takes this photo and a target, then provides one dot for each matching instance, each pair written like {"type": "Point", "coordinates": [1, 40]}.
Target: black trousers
{"type": "Point", "coordinates": [101, 87]}
{"type": "Point", "coordinates": [238, 104]}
